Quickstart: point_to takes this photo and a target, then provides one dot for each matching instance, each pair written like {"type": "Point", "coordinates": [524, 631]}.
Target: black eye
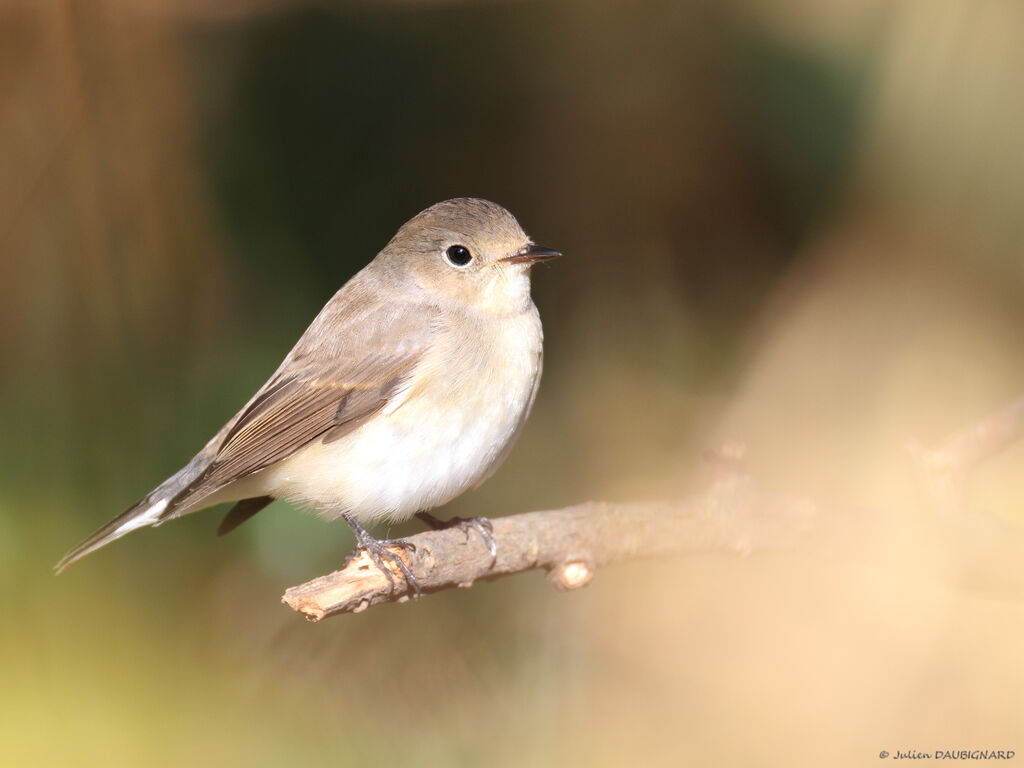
{"type": "Point", "coordinates": [458, 255]}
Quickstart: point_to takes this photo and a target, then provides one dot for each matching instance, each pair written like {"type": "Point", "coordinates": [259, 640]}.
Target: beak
{"type": "Point", "coordinates": [531, 254]}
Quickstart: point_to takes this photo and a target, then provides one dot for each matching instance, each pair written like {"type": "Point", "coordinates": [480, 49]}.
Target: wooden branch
{"type": "Point", "coordinates": [569, 543]}
{"type": "Point", "coordinates": [731, 517]}
{"type": "Point", "coordinates": [943, 469]}
{"type": "Point", "coordinates": [966, 449]}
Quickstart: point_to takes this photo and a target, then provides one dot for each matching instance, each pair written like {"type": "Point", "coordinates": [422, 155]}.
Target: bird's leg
{"type": "Point", "coordinates": [481, 525]}
{"type": "Point", "coordinates": [377, 549]}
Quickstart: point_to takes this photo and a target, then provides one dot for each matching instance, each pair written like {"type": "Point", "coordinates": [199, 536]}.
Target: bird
{"type": "Point", "coordinates": [408, 388]}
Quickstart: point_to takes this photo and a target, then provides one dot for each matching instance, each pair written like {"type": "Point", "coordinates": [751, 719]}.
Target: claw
{"type": "Point", "coordinates": [481, 525]}
{"type": "Point", "coordinates": [378, 549]}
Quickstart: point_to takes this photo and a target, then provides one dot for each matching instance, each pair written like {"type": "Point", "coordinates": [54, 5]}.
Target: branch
{"type": "Point", "coordinates": [943, 469]}
{"type": "Point", "coordinates": [569, 543]}
{"type": "Point", "coordinates": [733, 516]}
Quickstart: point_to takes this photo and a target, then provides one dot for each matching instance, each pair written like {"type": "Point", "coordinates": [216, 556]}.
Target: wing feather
{"type": "Point", "coordinates": [329, 385]}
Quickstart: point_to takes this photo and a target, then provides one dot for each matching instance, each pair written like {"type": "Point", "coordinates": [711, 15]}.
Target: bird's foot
{"type": "Point", "coordinates": [379, 550]}
{"type": "Point", "coordinates": [481, 525]}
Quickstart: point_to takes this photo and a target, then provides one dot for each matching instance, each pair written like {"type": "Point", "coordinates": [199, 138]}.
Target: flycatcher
{"type": "Point", "coordinates": [409, 387]}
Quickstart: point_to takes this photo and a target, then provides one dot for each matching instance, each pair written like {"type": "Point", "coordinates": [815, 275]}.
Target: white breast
{"type": "Point", "coordinates": [464, 404]}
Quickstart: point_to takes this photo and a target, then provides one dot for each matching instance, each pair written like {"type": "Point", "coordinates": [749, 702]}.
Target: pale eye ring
{"type": "Point", "coordinates": [458, 255]}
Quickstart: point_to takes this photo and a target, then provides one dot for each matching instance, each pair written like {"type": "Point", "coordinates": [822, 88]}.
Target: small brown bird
{"type": "Point", "coordinates": [408, 388]}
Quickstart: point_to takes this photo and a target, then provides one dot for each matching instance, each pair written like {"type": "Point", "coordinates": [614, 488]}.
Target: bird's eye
{"type": "Point", "coordinates": [458, 255]}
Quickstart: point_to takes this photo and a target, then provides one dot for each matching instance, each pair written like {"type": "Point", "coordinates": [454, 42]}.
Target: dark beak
{"type": "Point", "coordinates": [531, 254]}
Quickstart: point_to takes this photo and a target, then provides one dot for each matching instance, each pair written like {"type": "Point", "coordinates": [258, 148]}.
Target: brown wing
{"type": "Point", "coordinates": [295, 411]}
{"type": "Point", "coordinates": [299, 410]}
{"type": "Point", "coordinates": [353, 360]}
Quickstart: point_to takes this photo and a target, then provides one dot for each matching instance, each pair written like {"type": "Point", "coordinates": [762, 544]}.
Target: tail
{"type": "Point", "coordinates": [148, 511]}
{"type": "Point", "coordinates": [180, 494]}
{"type": "Point", "coordinates": [166, 501]}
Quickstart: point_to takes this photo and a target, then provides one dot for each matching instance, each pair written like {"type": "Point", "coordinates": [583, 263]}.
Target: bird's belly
{"type": "Point", "coordinates": [440, 441]}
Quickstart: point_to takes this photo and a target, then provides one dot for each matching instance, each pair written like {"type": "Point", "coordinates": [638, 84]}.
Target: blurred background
{"type": "Point", "coordinates": [791, 224]}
